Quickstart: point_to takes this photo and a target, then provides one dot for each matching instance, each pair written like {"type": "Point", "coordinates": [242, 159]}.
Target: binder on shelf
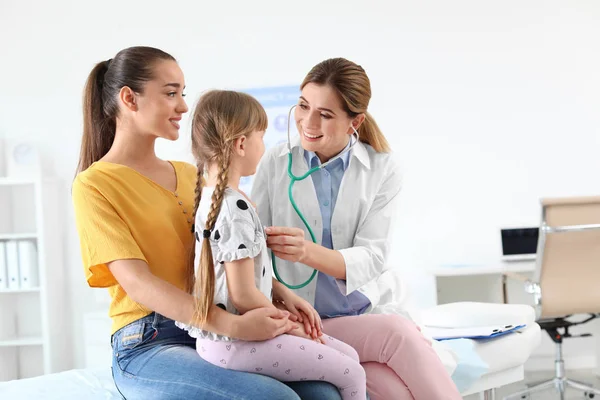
{"type": "Point", "coordinates": [12, 264]}
{"type": "Point", "coordinates": [3, 274]}
{"type": "Point", "coordinates": [28, 264]}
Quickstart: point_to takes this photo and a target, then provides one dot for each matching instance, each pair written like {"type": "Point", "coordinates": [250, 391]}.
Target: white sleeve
{"type": "Point", "coordinates": [366, 258]}
{"type": "Point", "coordinates": [235, 235]}
{"type": "Point", "coordinates": [261, 190]}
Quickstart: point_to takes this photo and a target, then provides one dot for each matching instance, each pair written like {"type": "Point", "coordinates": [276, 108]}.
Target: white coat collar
{"type": "Point", "coordinates": [359, 151]}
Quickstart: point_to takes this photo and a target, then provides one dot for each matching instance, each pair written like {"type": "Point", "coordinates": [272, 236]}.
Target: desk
{"type": "Point", "coordinates": [498, 268]}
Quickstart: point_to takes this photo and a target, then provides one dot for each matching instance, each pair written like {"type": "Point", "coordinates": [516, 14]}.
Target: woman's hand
{"type": "Point", "coordinates": [304, 312]}
{"type": "Point", "coordinates": [263, 324]}
{"type": "Point", "coordinates": [287, 243]}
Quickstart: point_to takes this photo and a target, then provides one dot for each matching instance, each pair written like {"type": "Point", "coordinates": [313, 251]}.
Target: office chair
{"type": "Point", "coordinates": [566, 280]}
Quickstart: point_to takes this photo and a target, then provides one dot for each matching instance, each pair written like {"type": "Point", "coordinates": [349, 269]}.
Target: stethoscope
{"type": "Point", "coordinates": [294, 179]}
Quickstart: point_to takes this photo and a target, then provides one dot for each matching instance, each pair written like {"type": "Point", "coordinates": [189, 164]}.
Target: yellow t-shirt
{"type": "Point", "coordinates": [121, 214]}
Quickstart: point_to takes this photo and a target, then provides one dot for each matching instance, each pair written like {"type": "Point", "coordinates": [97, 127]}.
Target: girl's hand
{"type": "Point", "coordinates": [263, 324]}
{"type": "Point", "coordinates": [281, 306]}
{"type": "Point", "coordinates": [305, 313]}
{"type": "Point", "coordinates": [301, 333]}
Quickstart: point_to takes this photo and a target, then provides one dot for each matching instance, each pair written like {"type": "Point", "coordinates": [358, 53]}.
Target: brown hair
{"type": "Point", "coordinates": [220, 117]}
{"type": "Point", "coordinates": [131, 67]}
{"type": "Point", "coordinates": [352, 84]}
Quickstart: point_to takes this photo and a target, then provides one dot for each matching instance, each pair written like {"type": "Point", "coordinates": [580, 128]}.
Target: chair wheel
{"type": "Point", "coordinates": [525, 397]}
{"type": "Point", "coordinates": [589, 395]}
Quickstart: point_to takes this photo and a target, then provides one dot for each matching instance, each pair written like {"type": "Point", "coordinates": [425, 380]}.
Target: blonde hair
{"type": "Point", "coordinates": [220, 117]}
{"type": "Point", "coordinates": [353, 86]}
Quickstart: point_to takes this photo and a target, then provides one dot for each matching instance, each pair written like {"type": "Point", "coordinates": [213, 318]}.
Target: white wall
{"type": "Point", "coordinates": [491, 105]}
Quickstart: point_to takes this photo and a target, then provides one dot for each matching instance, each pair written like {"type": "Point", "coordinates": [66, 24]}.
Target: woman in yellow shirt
{"type": "Point", "coordinates": [134, 217]}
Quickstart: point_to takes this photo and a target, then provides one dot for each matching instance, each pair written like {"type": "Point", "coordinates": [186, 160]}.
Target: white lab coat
{"type": "Point", "coordinates": [360, 226]}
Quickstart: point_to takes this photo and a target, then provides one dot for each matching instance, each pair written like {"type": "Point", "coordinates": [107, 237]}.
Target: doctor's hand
{"type": "Point", "coordinates": [287, 243]}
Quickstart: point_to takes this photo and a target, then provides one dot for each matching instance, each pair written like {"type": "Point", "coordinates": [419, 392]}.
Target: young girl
{"type": "Point", "coordinates": [232, 262]}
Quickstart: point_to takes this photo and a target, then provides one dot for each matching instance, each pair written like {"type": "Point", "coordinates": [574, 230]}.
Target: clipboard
{"type": "Point", "coordinates": [478, 332]}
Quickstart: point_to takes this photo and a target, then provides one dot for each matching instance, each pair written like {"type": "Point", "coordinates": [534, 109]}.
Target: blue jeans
{"type": "Point", "coordinates": [154, 359]}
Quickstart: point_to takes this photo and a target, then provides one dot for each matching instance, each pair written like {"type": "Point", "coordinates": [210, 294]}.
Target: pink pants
{"type": "Point", "coordinates": [399, 361]}
{"type": "Point", "coordinates": [290, 358]}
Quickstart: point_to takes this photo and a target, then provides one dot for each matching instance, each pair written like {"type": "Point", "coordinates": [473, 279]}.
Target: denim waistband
{"type": "Point", "coordinates": [154, 319]}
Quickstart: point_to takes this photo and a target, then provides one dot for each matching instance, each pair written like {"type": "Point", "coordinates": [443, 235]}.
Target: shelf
{"type": "Point", "coordinates": [18, 236]}
{"type": "Point", "coordinates": [9, 291]}
{"type": "Point", "coordinates": [20, 342]}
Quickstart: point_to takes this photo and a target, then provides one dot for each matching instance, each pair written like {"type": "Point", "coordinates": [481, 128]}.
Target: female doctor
{"type": "Point", "coordinates": [350, 204]}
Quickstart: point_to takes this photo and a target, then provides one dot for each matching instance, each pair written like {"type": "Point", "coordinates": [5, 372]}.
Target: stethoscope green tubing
{"type": "Point", "coordinates": [294, 179]}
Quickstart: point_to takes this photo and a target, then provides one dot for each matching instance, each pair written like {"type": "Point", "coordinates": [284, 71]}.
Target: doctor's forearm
{"type": "Point", "coordinates": [330, 262]}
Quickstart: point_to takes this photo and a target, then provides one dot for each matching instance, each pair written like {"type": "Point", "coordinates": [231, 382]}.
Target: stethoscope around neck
{"type": "Point", "coordinates": [294, 179]}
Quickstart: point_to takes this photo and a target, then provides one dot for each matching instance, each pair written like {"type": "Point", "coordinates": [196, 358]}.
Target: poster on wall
{"type": "Point", "coordinates": [277, 102]}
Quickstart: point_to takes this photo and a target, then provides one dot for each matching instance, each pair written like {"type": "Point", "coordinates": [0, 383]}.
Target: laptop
{"type": "Point", "coordinates": [519, 244]}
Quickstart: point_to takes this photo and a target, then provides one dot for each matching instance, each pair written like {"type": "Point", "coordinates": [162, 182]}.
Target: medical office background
{"type": "Point", "coordinates": [488, 105]}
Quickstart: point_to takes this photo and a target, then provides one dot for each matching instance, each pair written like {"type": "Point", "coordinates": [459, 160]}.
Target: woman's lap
{"type": "Point", "coordinates": [153, 359]}
{"type": "Point", "coordinates": [177, 372]}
